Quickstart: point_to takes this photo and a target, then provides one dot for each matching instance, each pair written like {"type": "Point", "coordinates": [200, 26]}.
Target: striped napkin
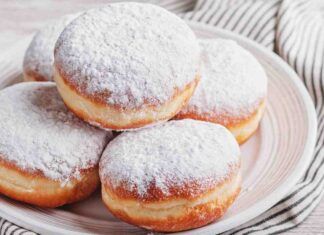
{"type": "Point", "coordinates": [294, 29]}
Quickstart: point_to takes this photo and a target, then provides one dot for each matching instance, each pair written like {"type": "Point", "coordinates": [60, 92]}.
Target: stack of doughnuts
{"type": "Point", "coordinates": [131, 67]}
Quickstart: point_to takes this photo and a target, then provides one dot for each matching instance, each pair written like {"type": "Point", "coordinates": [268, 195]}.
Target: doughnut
{"type": "Point", "coordinates": [126, 65]}
{"type": "Point", "coordinates": [232, 90]}
{"type": "Point", "coordinates": [39, 56]}
{"type": "Point", "coordinates": [177, 176]}
{"type": "Point", "coordinates": [48, 156]}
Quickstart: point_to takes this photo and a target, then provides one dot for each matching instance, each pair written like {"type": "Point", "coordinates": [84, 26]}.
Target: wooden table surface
{"type": "Point", "coordinates": [20, 18]}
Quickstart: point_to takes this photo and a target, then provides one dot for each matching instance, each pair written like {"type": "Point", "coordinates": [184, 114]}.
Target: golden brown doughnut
{"type": "Point", "coordinates": [48, 157]}
{"type": "Point", "coordinates": [232, 90]}
{"type": "Point", "coordinates": [177, 176]}
{"type": "Point", "coordinates": [123, 67]}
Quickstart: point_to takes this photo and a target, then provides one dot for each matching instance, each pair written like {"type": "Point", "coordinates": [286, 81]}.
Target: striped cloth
{"type": "Point", "coordinates": [294, 29]}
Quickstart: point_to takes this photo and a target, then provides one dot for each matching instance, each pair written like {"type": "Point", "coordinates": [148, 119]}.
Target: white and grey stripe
{"type": "Point", "coordinates": [253, 19]}
{"type": "Point", "coordinates": [7, 228]}
{"type": "Point", "coordinates": [295, 30]}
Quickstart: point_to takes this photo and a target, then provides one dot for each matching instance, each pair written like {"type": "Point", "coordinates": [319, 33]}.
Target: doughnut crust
{"type": "Point", "coordinates": [109, 117]}
{"type": "Point", "coordinates": [36, 189]}
{"type": "Point", "coordinates": [175, 214]}
{"type": "Point", "coordinates": [241, 128]}
{"type": "Point", "coordinates": [160, 185]}
{"type": "Point", "coordinates": [48, 157]}
{"type": "Point", "coordinates": [39, 56]}
{"type": "Point", "coordinates": [123, 67]}
{"type": "Point", "coordinates": [232, 91]}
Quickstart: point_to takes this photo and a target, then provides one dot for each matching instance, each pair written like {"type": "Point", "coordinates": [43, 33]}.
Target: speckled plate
{"type": "Point", "coordinates": [273, 159]}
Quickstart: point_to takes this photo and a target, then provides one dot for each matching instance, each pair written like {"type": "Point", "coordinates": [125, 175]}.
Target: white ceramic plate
{"type": "Point", "coordinates": [273, 160]}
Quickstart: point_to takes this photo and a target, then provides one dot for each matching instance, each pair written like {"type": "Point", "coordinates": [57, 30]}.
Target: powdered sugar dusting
{"type": "Point", "coordinates": [233, 82]}
{"type": "Point", "coordinates": [39, 134]}
{"type": "Point", "coordinates": [128, 54]}
{"type": "Point", "coordinates": [175, 153]}
{"type": "Point", "coordinates": [39, 56]}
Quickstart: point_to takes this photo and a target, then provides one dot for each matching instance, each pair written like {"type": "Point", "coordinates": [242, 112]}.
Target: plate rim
{"type": "Point", "coordinates": [300, 168]}
{"type": "Point", "coordinates": [257, 208]}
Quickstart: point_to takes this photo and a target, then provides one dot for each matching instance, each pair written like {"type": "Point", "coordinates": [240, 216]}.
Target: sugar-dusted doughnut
{"type": "Point", "coordinates": [232, 90]}
{"type": "Point", "coordinates": [176, 176]}
{"type": "Point", "coordinates": [39, 56]}
{"type": "Point", "coordinates": [48, 157]}
{"type": "Point", "coordinates": [126, 65]}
